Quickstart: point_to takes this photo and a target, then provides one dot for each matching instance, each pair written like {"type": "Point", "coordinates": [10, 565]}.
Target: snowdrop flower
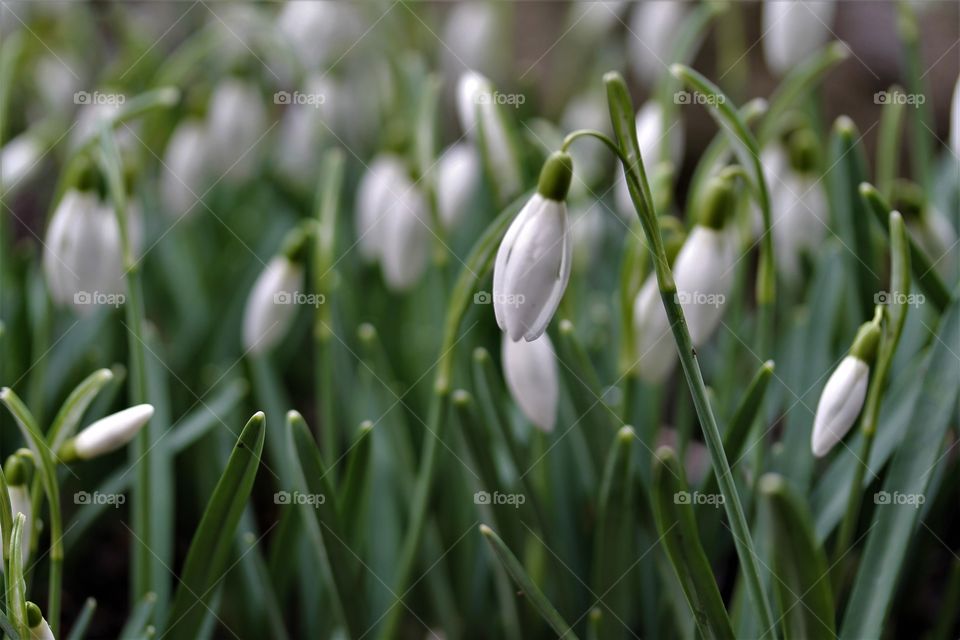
{"type": "Point", "coordinates": [482, 119]}
{"type": "Point", "coordinates": [18, 159]}
{"type": "Point", "coordinates": [651, 36]}
{"type": "Point", "coordinates": [106, 434]}
{"type": "Point", "coordinates": [473, 31]}
{"type": "Point", "coordinates": [458, 177]}
{"type": "Point", "coordinates": [272, 306]}
{"type": "Point", "coordinates": [305, 127]}
{"type": "Point", "coordinates": [405, 243]}
{"type": "Point", "coordinates": [39, 629]}
{"type": "Point", "coordinates": [703, 269]}
{"type": "Point", "coordinates": [955, 122]}
{"type": "Point", "coordinates": [798, 203]}
{"type": "Point", "coordinates": [530, 369]}
{"type": "Point", "coordinates": [794, 30]}
{"type": "Point", "coordinates": [236, 119]}
{"type": "Point", "coordinates": [656, 351]}
{"type": "Point", "coordinates": [843, 396]}
{"type": "Point", "coordinates": [377, 189]}
{"type": "Point", "coordinates": [184, 177]}
{"type": "Point", "coordinates": [533, 262]}
{"type": "Point", "coordinates": [17, 471]}
{"type": "Point", "coordinates": [316, 31]}
{"type": "Point", "coordinates": [82, 253]}
{"type": "Point", "coordinates": [652, 131]}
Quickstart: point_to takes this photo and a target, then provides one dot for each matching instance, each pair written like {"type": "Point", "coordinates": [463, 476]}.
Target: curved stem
{"type": "Point", "coordinates": [592, 133]}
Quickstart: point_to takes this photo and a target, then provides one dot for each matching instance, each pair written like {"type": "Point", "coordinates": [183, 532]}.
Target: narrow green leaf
{"type": "Point", "coordinates": [888, 142]}
{"type": "Point", "coordinates": [139, 618]}
{"type": "Point", "coordinates": [673, 511]}
{"type": "Point", "coordinates": [9, 629]}
{"type": "Point", "coordinates": [355, 490]}
{"type": "Point", "coordinates": [65, 423]}
{"type": "Point", "coordinates": [6, 515]}
{"type": "Point", "coordinates": [531, 591]}
{"type": "Point", "coordinates": [905, 484]}
{"type": "Point", "coordinates": [16, 585]}
{"type": "Point", "coordinates": [926, 276]}
{"type": "Point", "coordinates": [801, 577]}
{"type": "Point", "coordinates": [212, 541]}
{"type": "Point", "coordinates": [79, 629]}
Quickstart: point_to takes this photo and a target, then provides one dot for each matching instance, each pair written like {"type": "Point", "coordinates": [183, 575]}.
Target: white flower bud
{"type": "Point", "coordinates": [483, 120]}
{"type": "Point", "coordinates": [236, 119]}
{"type": "Point", "coordinates": [840, 404]}
{"type": "Point", "coordinates": [530, 369]}
{"type": "Point", "coordinates": [656, 349]}
{"type": "Point", "coordinates": [799, 211]}
{"type": "Point", "coordinates": [405, 244]}
{"type": "Point", "coordinates": [185, 171]}
{"type": "Point", "coordinates": [270, 308]}
{"type": "Point", "coordinates": [458, 177]}
{"type": "Point", "coordinates": [18, 159]}
{"type": "Point", "coordinates": [109, 433]}
{"type": "Point", "coordinates": [651, 36]}
{"type": "Point", "coordinates": [377, 189]}
{"type": "Point", "coordinates": [82, 250]}
{"type": "Point", "coordinates": [794, 30]}
{"type": "Point", "coordinates": [39, 628]}
{"type": "Point", "coordinates": [703, 272]}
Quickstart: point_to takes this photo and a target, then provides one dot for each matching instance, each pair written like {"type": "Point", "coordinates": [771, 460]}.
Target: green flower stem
{"type": "Point", "coordinates": [880, 371]}
{"type": "Point", "coordinates": [477, 265]}
{"type": "Point", "coordinates": [621, 112]}
{"type": "Point", "coordinates": [109, 158]}
{"type": "Point", "coordinates": [324, 279]}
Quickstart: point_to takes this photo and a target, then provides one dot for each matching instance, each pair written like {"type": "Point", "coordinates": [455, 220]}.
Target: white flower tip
{"type": "Point", "coordinates": [112, 432]}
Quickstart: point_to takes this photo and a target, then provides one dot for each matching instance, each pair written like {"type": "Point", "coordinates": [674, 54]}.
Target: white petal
{"type": "Point", "coordinates": [271, 307]}
{"type": "Point", "coordinates": [458, 176]}
{"type": "Point", "coordinates": [19, 158]}
{"type": "Point", "coordinates": [236, 120]}
{"type": "Point", "coordinates": [652, 130]}
{"type": "Point", "coordinates": [184, 176]}
{"type": "Point", "coordinates": [840, 404]}
{"type": "Point", "coordinates": [530, 369]}
{"type": "Point", "coordinates": [469, 87]}
{"type": "Point", "coordinates": [501, 299]}
{"type": "Point", "coordinates": [703, 272]}
{"type": "Point", "coordinates": [20, 502]}
{"type": "Point", "coordinates": [651, 36]}
{"type": "Point", "coordinates": [799, 211]}
{"type": "Point", "coordinates": [41, 631]}
{"type": "Point", "coordinates": [471, 34]}
{"type": "Point", "coordinates": [406, 237]}
{"type": "Point", "coordinates": [656, 350]}
{"type": "Point", "coordinates": [499, 149]}
{"type": "Point", "coordinates": [112, 432]}
{"type": "Point", "coordinates": [383, 181]}
{"type": "Point", "coordinates": [794, 30]}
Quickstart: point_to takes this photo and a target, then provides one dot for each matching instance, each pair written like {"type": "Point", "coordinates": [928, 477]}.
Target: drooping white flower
{"type": "Point", "coordinates": [405, 243]}
{"type": "Point", "coordinates": [533, 262]}
{"type": "Point", "coordinates": [318, 31]}
{"type": "Point", "coordinates": [794, 30]}
{"type": "Point", "coordinates": [271, 306]}
{"type": "Point", "coordinates": [842, 398]}
{"type": "Point", "coordinates": [82, 253]}
{"type": "Point", "coordinates": [481, 111]}
{"type": "Point", "coordinates": [704, 275]}
{"type": "Point", "coordinates": [530, 369]}
{"type": "Point", "coordinates": [651, 36]}
{"type": "Point", "coordinates": [799, 212]}
{"type": "Point", "coordinates": [107, 434]}
{"type": "Point", "coordinates": [306, 124]}
{"type": "Point", "coordinates": [655, 346]}
{"type": "Point", "coordinates": [775, 164]}
{"type": "Point", "coordinates": [955, 122]}
{"type": "Point", "coordinates": [382, 180]}
{"type": "Point", "coordinates": [39, 628]}
{"type": "Point", "coordinates": [458, 177]}
{"type": "Point", "coordinates": [184, 177]}
{"type": "Point", "coordinates": [652, 131]}
{"type": "Point", "coordinates": [472, 34]}
{"type": "Point", "coordinates": [236, 120]}
{"type": "Point", "coordinates": [18, 159]}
